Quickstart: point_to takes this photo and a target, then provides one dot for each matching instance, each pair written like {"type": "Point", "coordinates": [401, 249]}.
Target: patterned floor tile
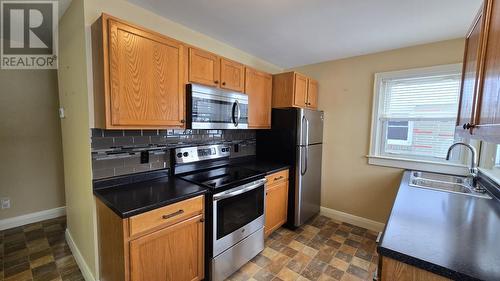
{"type": "Point", "coordinates": [37, 252]}
{"type": "Point", "coordinates": [322, 249]}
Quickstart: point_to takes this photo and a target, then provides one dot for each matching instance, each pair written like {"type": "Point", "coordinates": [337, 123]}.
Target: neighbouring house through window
{"type": "Point", "coordinates": [414, 113]}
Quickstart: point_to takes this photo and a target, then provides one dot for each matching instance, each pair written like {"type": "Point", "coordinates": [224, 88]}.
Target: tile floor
{"type": "Point", "coordinates": [37, 252]}
{"type": "Point", "coordinates": [323, 249]}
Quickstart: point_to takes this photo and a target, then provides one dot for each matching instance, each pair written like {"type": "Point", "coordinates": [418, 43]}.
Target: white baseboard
{"type": "Point", "coordinates": [84, 268]}
{"type": "Point", "coordinates": [32, 218]}
{"type": "Point", "coordinates": [352, 219]}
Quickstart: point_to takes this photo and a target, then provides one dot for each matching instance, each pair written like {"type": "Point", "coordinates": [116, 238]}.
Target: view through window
{"type": "Point", "coordinates": [417, 112]}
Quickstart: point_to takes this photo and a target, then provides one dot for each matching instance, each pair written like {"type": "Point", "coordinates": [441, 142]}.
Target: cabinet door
{"type": "Point", "coordinates": [232, 75]}
{"type": "Point", "coordinates": [258, 87]}
{"type": "Point", "coordinates": [174, 253]}
{"type": "Point", "coordinates": [300, 90]}
{"type": "Point", "coordinates": [488, 110]}
{"type": "Point", "coordinates": [312, 94]}
{"type": "Point", "coordinates": [470, 76]}
{"type": "Point", "coordinates": [146, 77]}
{"type": "Point", "coordinates": [276, 206]}
{"type": "Point", "coordinates": [203, 67]}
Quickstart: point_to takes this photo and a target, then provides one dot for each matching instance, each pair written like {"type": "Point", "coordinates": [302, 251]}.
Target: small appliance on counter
{"type": "Point", "coordinates": [296, 139]}
{"type": "Point", "coordinates": [212, 108]}
{"type": "Point", "coordinates": [234, 206]}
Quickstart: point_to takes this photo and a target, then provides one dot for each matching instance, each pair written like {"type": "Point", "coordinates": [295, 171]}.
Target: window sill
{"type": "Point", "coordinates": [493, 174]}
{"type": "Point", "coordinates": [420, 165]}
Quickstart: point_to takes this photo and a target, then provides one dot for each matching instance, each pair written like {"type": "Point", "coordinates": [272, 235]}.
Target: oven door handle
{"type": "Point", "coordinates": [233, 193]}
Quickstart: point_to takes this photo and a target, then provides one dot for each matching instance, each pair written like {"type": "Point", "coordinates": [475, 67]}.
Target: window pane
{"type": "Point", "coordinates": [397, 133]}
{"type": "Point", "coordinates": [398, 123]}
{"type": "Point", "coordinates": [429, 139]}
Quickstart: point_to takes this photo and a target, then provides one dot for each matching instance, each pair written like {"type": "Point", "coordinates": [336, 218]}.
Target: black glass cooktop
{"type": "Point", "coordinates": [223, 177]}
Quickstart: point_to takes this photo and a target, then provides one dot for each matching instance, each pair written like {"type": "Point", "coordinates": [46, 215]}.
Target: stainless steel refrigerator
{"type": "Point", "coordinates": [296, 138]}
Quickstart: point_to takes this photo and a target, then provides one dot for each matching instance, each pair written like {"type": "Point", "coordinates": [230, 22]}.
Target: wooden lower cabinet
{"type": "Point", "coordinates": [172, 251]}
{"type": "Point", "coordinates": [393, 270]}
{"type": "Point", "coordinates": [176, 248]}
{"type": "Point", "coordinates": [276, 201]}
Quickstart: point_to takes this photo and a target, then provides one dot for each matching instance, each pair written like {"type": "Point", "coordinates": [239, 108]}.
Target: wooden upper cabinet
{"type": "Point", "coordinates": [203, 67]}
{"type": "Point", "coordinates": [312, 94]}
{"type": "Point", "coordinates": [479, 110]}
{"type": "Point", "coordinates": [468, 92]}
{"type": "Point", "coordinates": [138, 77]}
{"type": "Point", "coordinates": [258, 87]}
{"type": "Point", "coordinates": [232, 75]}
{"type": "Point", "coordinates": [173, 253]}
{"type": "Point", "coordinates": [211, 70]}
{"type": "Point", "coordinates": [300, 91]}
{"type": "Point", "coordinates": [291, 89]}
{"type": "Point", "coordinates": [487, 121]}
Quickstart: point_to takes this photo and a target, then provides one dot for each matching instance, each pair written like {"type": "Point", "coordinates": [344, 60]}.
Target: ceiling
{"type": "Point", "coordinates": [290, 33]}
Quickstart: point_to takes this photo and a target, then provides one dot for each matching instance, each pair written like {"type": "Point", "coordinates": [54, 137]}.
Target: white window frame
{"type": "Point", "coordinates": [375, 157]}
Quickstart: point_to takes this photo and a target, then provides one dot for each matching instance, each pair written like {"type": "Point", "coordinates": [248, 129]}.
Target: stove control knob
{"type": "Point", "coordinates": [179, 155]}
{"type": "Point", "coordinates": [186, 154]}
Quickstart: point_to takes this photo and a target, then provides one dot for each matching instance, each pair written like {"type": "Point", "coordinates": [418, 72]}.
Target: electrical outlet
{"type": "Point", "coordinates": [5, 202]}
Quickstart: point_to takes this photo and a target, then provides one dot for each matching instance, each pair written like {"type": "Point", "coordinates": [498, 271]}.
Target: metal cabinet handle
{"type": "Point", "coordinates": [278, 178]}
{"type": "Point", "coordinates": [468, 126]}
{"type": "Point", "coordinates": [223, 83]}
{"type": "Point", "coordinates": [166, 217]}
{"type": "Point", "coordinates": [216, 82]}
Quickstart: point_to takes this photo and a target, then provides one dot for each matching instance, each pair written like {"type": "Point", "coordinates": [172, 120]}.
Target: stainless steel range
{"type": "Point", "coordinates": [235, 206]}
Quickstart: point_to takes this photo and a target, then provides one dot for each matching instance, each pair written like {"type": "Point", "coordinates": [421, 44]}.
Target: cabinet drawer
{"type": "Point", "coordinates": [277, 177]}
{"type": "Point", "coordinates": [166, 215]}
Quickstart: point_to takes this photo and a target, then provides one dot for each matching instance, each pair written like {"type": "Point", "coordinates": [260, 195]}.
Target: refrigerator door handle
{"type": "Point", "coordinates": [307, 132]}
{"type": "Point", "coordinates": [302, 166]}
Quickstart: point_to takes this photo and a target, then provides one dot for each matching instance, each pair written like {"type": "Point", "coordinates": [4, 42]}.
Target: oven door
{"type": "Point", "coordinates": [237, 213]}
{"type": "Point", "coordinates": [212, 108]}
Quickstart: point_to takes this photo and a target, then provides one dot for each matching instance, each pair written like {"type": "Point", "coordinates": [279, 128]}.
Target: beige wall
{"type": "Point", "coordinates": [31, 170]}
{"type": "Point", "coordinates": [73, 96]}
{"type": "Point", "coordinates": [349, 184]}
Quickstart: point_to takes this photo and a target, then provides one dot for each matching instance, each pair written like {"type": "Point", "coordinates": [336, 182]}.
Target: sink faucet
{"type": "Point", "coordinates": [473, 165]}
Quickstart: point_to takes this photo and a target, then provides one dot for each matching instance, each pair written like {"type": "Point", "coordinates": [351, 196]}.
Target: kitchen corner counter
{"type": "Point", "coordinates": [131, 199]}
{"type": "Point", "coordinates": [262, 166]}
{"type": "Point", "coordinates": [453, 235]}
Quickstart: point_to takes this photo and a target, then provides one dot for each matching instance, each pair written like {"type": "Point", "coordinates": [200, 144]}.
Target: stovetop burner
{"type": "Point", "coordinates": [223, 177]}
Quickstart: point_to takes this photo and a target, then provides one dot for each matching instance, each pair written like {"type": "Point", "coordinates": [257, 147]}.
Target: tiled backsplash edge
{"type": "Point", "coordinates": [118, 152]}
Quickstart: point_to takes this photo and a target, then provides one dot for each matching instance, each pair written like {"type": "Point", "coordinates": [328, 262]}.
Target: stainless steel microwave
{"type": "Point", "coordinates": [213, 108]}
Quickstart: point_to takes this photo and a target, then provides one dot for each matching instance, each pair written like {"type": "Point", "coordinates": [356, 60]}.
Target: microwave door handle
{"type": "Point", "coordinates": [239, 112]}
{"type": "Point", "coordinates": [233, 113]}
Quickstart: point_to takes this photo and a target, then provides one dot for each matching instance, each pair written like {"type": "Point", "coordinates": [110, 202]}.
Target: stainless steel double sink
{"type": "Point", "coordinates": [446, 183]}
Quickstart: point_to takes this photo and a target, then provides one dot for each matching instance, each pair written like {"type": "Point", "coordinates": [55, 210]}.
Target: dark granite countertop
{"type": "Point", "coordinates": [453, 235]}
{"type": "Point", "coordinates": [131, 199]}
{"type": "Point", "coordinates": [263, 166]}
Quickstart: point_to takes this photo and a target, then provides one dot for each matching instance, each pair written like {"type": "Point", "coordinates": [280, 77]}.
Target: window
{"type": "Point", "coordinates": [415, 113]}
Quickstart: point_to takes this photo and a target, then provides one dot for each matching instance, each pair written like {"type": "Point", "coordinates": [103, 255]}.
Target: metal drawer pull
{"type": "Point", "coordinates": [278, 178]}
{"type": "Point", "coordinates": [166, 217]}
